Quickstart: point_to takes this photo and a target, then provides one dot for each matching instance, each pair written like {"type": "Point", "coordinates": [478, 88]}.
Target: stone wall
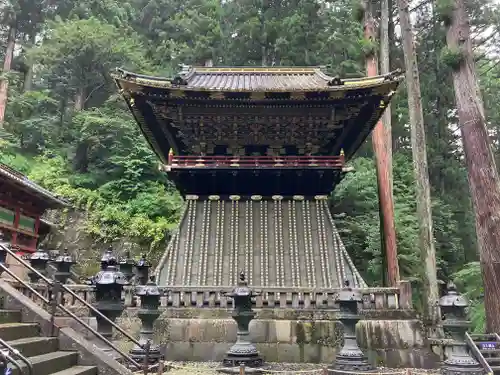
{"type": "Point", "coordinates": [283, 335]}
{"type": "Point", "coordinates": [70, 232]}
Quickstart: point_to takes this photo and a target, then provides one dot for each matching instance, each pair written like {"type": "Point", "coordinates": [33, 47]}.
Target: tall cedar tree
{"type": "Point", "coordinates": [7, 63]}
{"type": "Point", "coordinates": [385, 67]}
{"type": "Point", "coordinates": [421, 171]}
{"type": "Point", "coordinates": [388, 230]}
{"type": "Point", "coordinates": [481, 168]}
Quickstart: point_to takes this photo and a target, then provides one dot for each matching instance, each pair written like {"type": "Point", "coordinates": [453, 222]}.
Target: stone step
{"type": "Point", "coordinates": [78, 370]}
{"type": "Point", "coordinates": [483, 336]}
{"type": "Point", "coordinates": [14, 331]}
{"type": "Point", "coordinates": [10, 316]}
{"type": "Point", "coordinates": [489, 351]}
{"type": "Point", "coordinates": [33, 346]}
{"type": "Point", "coordinates": [49, 363]}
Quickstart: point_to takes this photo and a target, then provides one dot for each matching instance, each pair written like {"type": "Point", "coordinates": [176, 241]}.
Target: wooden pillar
{"type": "Point", "coordinates": [36, 228]}
{"type": "Point", "coordinates": [16, 226]}
{"type": "Point", "coordinates": [388, 231]}
{"type": "Point", "coordinates": [13, 264]}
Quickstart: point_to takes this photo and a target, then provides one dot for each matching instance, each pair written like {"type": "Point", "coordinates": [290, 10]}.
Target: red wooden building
{"type": "Point", "coordinates": [22, 203]}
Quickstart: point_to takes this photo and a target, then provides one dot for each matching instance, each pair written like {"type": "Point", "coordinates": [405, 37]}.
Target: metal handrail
{"type": "Point", "coordinates": [8, 358]}
{"type": "Point", "coordinates": [497, 336]}
{"type": "Point", "coordinates": [66, 289]}
{"type": "Point", "coordinates": [93, 309]}
{"type": "Point", "coordinates": [477, 353]}
{"type": "Point", "coordinates": [21, 357]}
{"type": "Point", "coordinates": [93, 331]}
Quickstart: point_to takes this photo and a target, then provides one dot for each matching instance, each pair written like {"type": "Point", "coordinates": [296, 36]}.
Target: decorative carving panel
{"type": "Point", "coordinates": [271, 131]}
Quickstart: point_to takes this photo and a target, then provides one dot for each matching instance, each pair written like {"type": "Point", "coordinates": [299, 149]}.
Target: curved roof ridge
{"type": "Point", "coordinates": [256, 79]}
{"type": "Point", "coordinates": [257, 69]}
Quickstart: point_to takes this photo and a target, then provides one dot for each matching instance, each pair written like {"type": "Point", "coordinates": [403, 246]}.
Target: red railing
{"type": "Point", "coordinates": [255, 161]}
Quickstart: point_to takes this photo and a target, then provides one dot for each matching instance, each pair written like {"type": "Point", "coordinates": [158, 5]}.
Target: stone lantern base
{"type": "Point", "coordinates": [461, 365]}
{"type": "Point", "coordinates": [242, 354]}
{"type": "Point", "coordinates": [345, 364]}
{"type": "Point", "coordinates": [138, 354]}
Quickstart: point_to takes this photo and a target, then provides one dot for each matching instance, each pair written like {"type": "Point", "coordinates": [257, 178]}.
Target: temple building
{"type": "Point", "coordinates": [22, 204]}
{"type": "Point", "coordinates": [256, 152]}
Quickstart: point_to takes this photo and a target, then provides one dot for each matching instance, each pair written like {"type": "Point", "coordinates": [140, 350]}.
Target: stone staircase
{"type": "Point", "coordinates": [486, 348]}
{"type": "Point", "coordinates": [44, 353]}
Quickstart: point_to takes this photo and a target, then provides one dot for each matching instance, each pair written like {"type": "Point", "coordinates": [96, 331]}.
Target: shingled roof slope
{"type": "Point", "coordinates": [17, 178]}
{"type": "Point", "coordinates": [244, 79]}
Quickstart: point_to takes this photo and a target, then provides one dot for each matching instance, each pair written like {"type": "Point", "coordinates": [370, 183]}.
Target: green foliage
{"type": "Point", "coordinates": [357, 197]}
{"type": "Point", "coordinates": [358, 11]}
{"type": "Point", "coordinates": [470, 281]}
{"type": "Point", "coordinates": [444, 10]}
{"type": "Point", "coordinates": [368, 47]}
{"type": "Point", "coordinates": [80, 53]}
{"type": "Point", "coordinates": [148, 217]}
{"type": "Point", "coordinates": [452, 57]}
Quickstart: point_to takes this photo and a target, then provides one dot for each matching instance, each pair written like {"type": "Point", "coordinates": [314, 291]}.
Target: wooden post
{"type": "Point", "coordinates": [36, 228]}
{"type": "Point", "coordinates": [16, 226]}
{"type": "Point", "coordinates": [388, 230]}
{"type": "Point", "coordinates": [161, 367]}
{"type": "Point", "coordinates": [170, 156]}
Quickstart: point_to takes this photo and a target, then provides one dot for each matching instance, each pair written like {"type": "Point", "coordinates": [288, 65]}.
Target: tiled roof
{"type": "Point", "coordinates": [252, 79]}
{"type": "Point", "coordinates": [257, 79]}
{"type": "Point", "coordinates": [19, 179]}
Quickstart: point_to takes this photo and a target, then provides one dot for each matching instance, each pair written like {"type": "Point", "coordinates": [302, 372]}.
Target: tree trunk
{"type": "Point", "coordinates": [81, 158]}
{"type": "Point", "coordinates": [482, 172]}
{"type": "Point", "coordinates": [385, 67]}
{"type": "Point", "coordinates": [28, 75]}
{"type": "Point", "coordinates": [419, 152]}
{"type": "Point", "coordinates": [80, 99]}
{"type": "Point", "coordinates": [4, 82]}
{"type": "Point", "coordinates": [384, 187]}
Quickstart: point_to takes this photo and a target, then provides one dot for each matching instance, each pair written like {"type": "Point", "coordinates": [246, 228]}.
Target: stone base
{"type": "Point", "coordinates": [236, 370]}
{"type": "Point", "coordinates": [138, 354]}
{"type": "Point", "coordinates": [206, 334]}
{"type": "Point", "coordinates": [356, 364]}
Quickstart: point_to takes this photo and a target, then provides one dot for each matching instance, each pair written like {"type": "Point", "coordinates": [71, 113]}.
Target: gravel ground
{"type": "Point", "coordinates": [210, 368]}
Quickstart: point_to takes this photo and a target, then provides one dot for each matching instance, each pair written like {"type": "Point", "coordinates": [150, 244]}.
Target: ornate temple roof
{"type": "Point", "coordinates": [244, 79]}
{"type": "Point", "coordinates": [19, 180]}
{"type": "Point", "coordinates": [255, 111]}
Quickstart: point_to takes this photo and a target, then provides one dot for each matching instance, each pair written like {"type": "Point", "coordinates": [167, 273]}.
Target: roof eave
{"type": "Point", "coordinates": [129, 85]}
{"type": "Point", "coordinates": [34, 189]}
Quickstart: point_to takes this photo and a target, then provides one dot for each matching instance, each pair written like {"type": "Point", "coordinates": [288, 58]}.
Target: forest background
{"type": "Point", "coordinates": [67, 128]}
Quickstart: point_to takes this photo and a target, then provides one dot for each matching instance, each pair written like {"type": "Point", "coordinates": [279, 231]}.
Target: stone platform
{"type": "Point", "coordinates": [291, 326]}
{"type": "Point", "coordinates": [286, 335]}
